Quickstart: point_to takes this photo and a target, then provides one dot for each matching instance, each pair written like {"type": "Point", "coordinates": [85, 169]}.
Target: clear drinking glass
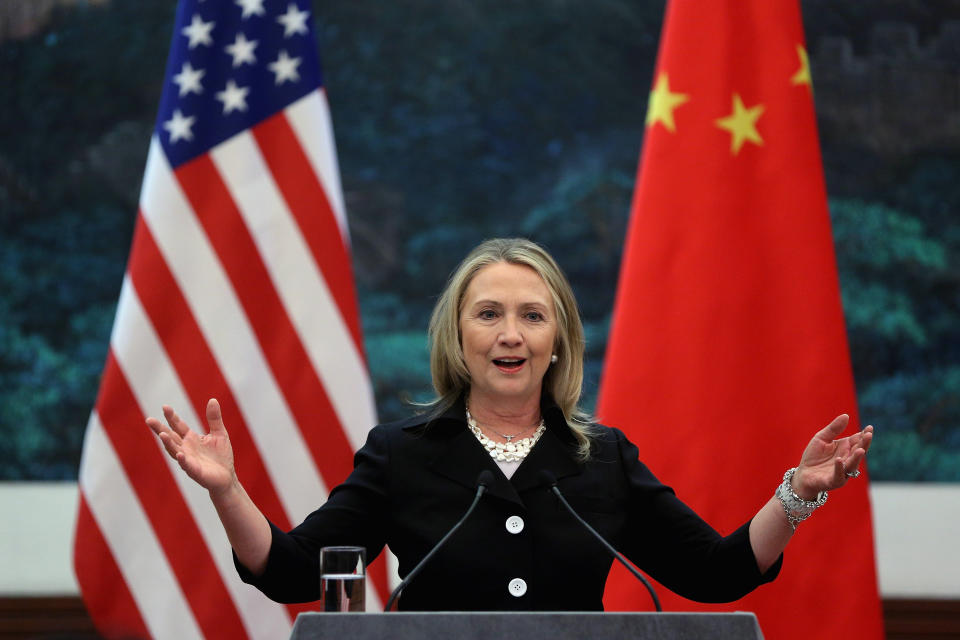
{"type": "Point", "coordinates": [342, 578]}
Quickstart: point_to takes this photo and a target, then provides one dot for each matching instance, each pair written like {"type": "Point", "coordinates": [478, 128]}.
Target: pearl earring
{"type": "Point", "coordinates": [553, 359]}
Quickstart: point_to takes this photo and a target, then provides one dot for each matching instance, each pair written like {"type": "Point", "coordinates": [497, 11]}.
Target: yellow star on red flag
{"type": "Point", "coordinates": [663, 102]}
{"type": "Point", "coordinates": [728, 304]}
{"type": "Point", "coordinates": [742, 124]}
{"type": "Point", "coordinates": [802, 76]}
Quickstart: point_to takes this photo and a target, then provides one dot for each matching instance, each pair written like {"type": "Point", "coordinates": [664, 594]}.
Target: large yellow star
{"type": "Point", "coordinates": [663, 102]}
{"type": "Point", "coordinates": [742, 124]}
{"type": "Point", "coordinates": [802, 76]}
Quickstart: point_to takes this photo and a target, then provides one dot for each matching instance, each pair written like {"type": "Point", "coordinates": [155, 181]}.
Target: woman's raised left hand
{"type": "Point", "coordinates": [828, 463]}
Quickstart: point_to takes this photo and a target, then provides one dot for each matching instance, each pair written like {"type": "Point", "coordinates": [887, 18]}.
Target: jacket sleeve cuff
{"type": "Point", "coordinates": [291, 574]}
{"type": "Point", "coordinates": [742, 536]}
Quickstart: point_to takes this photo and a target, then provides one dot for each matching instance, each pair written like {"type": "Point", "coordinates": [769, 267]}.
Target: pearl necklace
{"type": "Point", "coordinates": [508, 451]}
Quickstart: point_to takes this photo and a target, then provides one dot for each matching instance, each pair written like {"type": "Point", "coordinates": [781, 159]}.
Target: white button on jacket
{"type": "Point", "coordinates": [514, 524]}
{"type": "Point", "coordinates": [517, 587]}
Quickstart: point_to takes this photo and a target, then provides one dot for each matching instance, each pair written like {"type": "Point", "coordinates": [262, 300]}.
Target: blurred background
{"type": "Point", "coordinates": [456, 121]}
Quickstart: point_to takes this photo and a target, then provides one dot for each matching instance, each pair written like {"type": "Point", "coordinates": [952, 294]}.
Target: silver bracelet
{"type": "Point", "coordinates": [796, 508]}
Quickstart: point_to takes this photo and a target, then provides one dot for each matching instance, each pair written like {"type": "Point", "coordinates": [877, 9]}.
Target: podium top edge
{"type": "Point", "coordinates": [725, 614]}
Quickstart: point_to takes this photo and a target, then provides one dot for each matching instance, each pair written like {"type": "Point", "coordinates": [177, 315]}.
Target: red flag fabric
{"type": "Point", "coordinates": [239, 286]}
{"type": "Point", "coordinates": [728, 349]}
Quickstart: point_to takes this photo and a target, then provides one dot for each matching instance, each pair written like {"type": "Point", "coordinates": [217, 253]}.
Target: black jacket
{"type": "Point", "coordinates": [412, 481]}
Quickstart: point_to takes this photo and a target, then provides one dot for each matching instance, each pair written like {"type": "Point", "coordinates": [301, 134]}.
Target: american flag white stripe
{"type": "Point", "coordinates": [154, 382]}
{"type": "Point", "coordinates": [310, 119]}
{"type": "Point", "coordinates": [296, 278]}
{"type": "Point", "coordinates": [126, 529]}
{"type": "Point", "coordinates": [227, 331]}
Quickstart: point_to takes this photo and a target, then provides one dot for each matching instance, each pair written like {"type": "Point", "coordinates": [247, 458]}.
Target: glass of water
{"type": "Point", "coordinates": [342, 578]}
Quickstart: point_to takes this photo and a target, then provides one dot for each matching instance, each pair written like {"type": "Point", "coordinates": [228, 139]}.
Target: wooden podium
{"type": "Point", "coordinates": [529, 626]}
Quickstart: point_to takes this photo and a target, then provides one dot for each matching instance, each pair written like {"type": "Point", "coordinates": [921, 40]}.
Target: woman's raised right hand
{"type": "Point", "coordinates": [206, 458]}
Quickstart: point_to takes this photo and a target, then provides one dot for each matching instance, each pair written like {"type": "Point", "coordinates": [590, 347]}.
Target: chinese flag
{"type": "Point", "coordinates": [728, 349]}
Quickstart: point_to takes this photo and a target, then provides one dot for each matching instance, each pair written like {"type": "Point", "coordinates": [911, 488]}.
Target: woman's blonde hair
{"type": "Point", "coordinates": [563, 379]}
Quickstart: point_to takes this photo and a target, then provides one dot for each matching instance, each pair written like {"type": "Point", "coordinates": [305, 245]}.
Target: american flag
{"type": "Point", "coordinates": [239, 287]}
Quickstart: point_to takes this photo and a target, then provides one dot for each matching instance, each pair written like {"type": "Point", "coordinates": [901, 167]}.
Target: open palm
{"type": "Point", "coordinates": [206, 458]}
{"type": "Point", "coordinates": [827, 461]}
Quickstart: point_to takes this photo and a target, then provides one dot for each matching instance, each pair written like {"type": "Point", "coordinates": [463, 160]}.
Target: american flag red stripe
{"type": "Point", "coordinates": [142, 358]}
{"type": "Point", "coordinates": [216, 307]}
{"type": "Point", "coordinates": [109, 602]}
{"type": "Point", "coordinates": [238, 287]}
{"type": "Point", "coordinates": [195, 365]}
{"type": "Point", "coordinates": [164, 506]}
{"type": "Point", "coordinates": [234, 244]}
{"type": "Point", "coordinates": [302, 189]}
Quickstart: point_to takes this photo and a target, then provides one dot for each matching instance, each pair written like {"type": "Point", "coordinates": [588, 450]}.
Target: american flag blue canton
{"type": "Point", "coordinates": [232, 64]}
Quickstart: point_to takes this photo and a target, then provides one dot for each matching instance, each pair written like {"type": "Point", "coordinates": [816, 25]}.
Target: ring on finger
{"type": "Point", "coordinates": [853, 474]}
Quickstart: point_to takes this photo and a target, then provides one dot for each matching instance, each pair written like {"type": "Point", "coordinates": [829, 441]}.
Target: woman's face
{"type": "Point", "coordinates": [508, 329]}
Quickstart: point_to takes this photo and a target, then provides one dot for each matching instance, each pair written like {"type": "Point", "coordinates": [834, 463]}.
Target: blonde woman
{"type": "Point", "coordinates": [507, 363]}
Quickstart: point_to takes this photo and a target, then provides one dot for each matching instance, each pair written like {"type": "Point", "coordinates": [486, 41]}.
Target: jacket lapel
{"type": "Point", "coordinates": [552, 453]}
{"type": "Point", "coordinates": [459, 456]}
{"type": "Point", "coordinates": [462, 460]}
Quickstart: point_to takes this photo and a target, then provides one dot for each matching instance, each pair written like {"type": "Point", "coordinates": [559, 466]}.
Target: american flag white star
{"type": "Point", "coordinates": [229, 70]}
{"type": "Point", "coordinates": [294, 21]}
{"type": "Point", "coordinates": [285, 68]}
{"type": "Point", "coordinates": [251, 8]}
{"type": "Point", "coordinates": [242, 50]}
{"type": "Point", "coordinates": [234, 98]}
{"type": "Point", "coordinates": [198, 31]}
{"type": "Point", "coordinates": [179, 127]}
{"type": "Point", "coordinates": [189, 79]}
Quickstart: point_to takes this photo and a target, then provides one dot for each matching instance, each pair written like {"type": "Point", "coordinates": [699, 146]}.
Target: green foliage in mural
{"type": "Point", "coordinates": [901, 300]}
{"type": "Point", "coordinates": [454, 122]}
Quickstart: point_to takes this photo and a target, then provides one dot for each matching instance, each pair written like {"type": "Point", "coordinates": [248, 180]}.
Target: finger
{"type": "Point", "coordinates": [859, 440]}
{"type": "Point", "coordinates": [852, 463]}
{"type": "Point", "coordinates": [866, 438]}
{"type": "Point", "coordinates": [173, 448]}
{"type": "Point", "coordinates": [839, 472]}
{"type": "Point", "coordinates": [156, 426]}
{"type": "Point", "coordinates": [835, 428]}
{"type": "Point", "coordinates": [179, 426]}
{"type": "Point", "coordinates": [189, 465]}
{"type": "Point", "coordinates": [162, 430]}
{"type": "Point", "coordinates": [214, 417]}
